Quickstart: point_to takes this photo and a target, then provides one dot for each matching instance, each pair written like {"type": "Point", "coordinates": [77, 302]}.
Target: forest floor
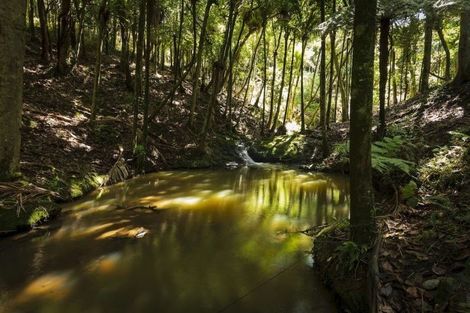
{"type": "Point", "coordinates": [64, 157]}
{"type": "Point", "coordinates": [424, 256]}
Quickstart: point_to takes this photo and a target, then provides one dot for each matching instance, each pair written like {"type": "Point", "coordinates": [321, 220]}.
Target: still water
{"type": "Point", "coordinates": [182, 241]}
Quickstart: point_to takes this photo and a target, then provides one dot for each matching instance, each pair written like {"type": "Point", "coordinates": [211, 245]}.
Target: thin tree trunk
{"type": "Point", "coordinates": [31, 19]}
{"type": "Point", "coordinates": [302, 101]}
{"type": "Point", "coordinates": [345, 106]}
{"type": "Point", "coordinates": [323, 85]}
{"type": "Point", "coordinates": [148, 51]}
{"type": "Point", "coordinates": [426, 66]}
{"type": "Point", "coordinates": [45, 44]}
{"type": "Point", "coordinates": [102, 19]}
{"type": "Point", "coordinates": [138, 68]}
{"type": "Point", "coordinates": [265, 79]}
{"type": "Point", "coordinates": [283, 76]}
{"type": "Point", "coordinates": [63, 39]}
{"type": "Point", "coordinates": [445, 46]}
{"type": "Point", "coordinates": [383, 69]}
{"type": "Point", "coordinates": [273, 80]}
{"type": "Point", "coordinates": [196, 85]}
{"type": "Point", "coordinates": [290, 82]}
{"type": "Point", "coordinates": [331, 82]}
{"type": "Point", "coordinates": [124, 60]}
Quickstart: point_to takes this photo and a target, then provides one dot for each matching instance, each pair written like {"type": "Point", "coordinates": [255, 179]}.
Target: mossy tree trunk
{"type": "Point", "coordinates": [362, 84]}
{"type": "Point", "coordinates": [12, 42]}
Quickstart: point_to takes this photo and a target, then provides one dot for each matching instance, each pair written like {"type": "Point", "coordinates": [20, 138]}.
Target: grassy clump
{"type": "Point", "coordinates": [449, 166]}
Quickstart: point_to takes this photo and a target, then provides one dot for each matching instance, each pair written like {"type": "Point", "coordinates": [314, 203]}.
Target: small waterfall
{"type": "Point", "coordinates": [243, 153]}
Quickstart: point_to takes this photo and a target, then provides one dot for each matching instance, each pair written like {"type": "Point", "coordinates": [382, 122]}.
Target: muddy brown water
{"type": "Point", "coordinates": [180, 241]}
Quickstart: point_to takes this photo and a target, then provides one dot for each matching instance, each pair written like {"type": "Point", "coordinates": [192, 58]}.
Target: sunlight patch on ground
{"type": "Point", "coordinates": [292, 128]}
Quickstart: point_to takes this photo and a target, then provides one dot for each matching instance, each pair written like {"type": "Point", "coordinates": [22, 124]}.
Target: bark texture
{"type": "Point", "coordinates": [12, 42]}
{"type": "Point", "coordinates": [362, 202]}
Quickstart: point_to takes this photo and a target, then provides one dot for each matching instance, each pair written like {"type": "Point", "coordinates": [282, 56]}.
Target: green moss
{"type": "Point", "coordinates": [80, 186]}
{"type": "Point", "coordinates": [448, 168]}
{"type": "Point", "coordinates": [13, 219]}
{"type": "Point", "coordinates": [285, 148]}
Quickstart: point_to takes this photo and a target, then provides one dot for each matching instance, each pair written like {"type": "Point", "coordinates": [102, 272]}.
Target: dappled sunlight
{"type": "Point", "coordinates": [53, 286]}
{"type": "Point", "coordinates": [123, 232]}
{"type": "Point", "coordinates": [135, 238]}
{"type": "Point", "coordinates": [105, 264]}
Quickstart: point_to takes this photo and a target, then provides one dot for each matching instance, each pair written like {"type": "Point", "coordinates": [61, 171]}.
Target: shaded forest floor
{"type": "Point", "coordinates": [62, 153]}
{"type": "Point", "coordinates": [423, 217]}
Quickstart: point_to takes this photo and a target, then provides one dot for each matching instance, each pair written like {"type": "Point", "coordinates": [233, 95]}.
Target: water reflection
{"type": "Point", "coordinates": [214, 240]}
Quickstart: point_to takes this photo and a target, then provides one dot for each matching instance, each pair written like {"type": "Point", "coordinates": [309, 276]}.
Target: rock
{"type": "Point", "coordinates": [431, 284]}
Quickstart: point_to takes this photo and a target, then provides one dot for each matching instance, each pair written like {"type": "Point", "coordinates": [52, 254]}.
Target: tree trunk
{"type": "Point", "coordinates": [63, 38]}
{"type": "Point", "coordinates": [331, 82]}
{"type": "Point", "coordinates": [102, 19]}
{"type": "Point", "coordinates": [80, 11]}
{"type": "Point", "coordinates": [124, 61]}
{"type": "Point", "coordinates": [283, 76]}
{"type": "Point", "coordinates": [362, 200]}
{"type": "Point", "coordinates": [302, 101]}
{"type": "Point", "coordinates": [148, 51]}
{"type": "Point", "coordinates": [323, 84]}
{"type": "Point", "coordinates": [289, 90]}
{"type": "Point", "coordinates": [445, 46]}
{"type": "Point", "coordinates": [273, 78]}
{"type": "Point", "coordinates": [138, 68]}
{"type": "Point", "coordinates": [265, 79]}
{"type": "Point", "coordinates": [345, 107]}
{"type": "Point", "coordinates": [383, 69]}
{"type": "Point", "coordinates": [12, 41]}
{"type": "Point", "coordinates": [426, 67]}
{"type": "Point", "coordinates": [463, 68]}
{"type": "Point", "coordinates": [31, 19]}
{"type": "Point", "coordinates": [45, 44]}
{"type": "Point", "coordinates": [200, 50]}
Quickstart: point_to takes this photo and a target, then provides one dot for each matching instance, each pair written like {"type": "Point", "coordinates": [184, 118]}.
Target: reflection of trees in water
{"type": "Point", "coordinates": [316, 198]}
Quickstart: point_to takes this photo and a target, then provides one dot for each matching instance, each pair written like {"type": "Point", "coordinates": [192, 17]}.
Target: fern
{"type": "Point", "coordinates": [119, 172]}
{"type": "Point", "coordinates": [386, 155]}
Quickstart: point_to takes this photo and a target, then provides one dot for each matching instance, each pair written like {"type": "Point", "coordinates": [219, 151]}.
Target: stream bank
{"type": "Point", "coordinates": [63, 157]}
{"type": "Point", "coordinates": [422, 182]}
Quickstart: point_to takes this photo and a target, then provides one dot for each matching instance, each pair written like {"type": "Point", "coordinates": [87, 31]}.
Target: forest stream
{"type": "Point", "coordinates": [179, 241]}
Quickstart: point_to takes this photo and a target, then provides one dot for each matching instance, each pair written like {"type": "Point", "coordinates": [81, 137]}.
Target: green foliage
{"type": "Point", "coordinates": [80, 186]}
{"type": "Point", "coordinates": [449, 166]}
{"type": "Point", "coordinates": [386, 155]}
{"type": "Point", "coordinates": [350, 254]}
{"type": "Point", "coordinates": [409, 193]}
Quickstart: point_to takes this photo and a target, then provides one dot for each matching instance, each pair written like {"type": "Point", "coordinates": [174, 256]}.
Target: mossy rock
{"type": "Point", "coordinates": [33, 214]}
